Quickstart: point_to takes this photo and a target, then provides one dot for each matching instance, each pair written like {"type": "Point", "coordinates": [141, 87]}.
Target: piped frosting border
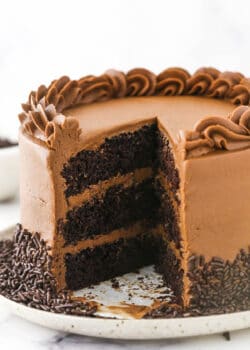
{"type": "Point", "coordinates": [215, 133]}
{"type": "Point", "coordinates": [42, 117]}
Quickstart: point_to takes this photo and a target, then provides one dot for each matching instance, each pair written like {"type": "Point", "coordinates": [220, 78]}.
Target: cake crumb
{"type": "Point", "coordinates": [227, 336]}
{"type": "Point", "coordinates": [115, 283]}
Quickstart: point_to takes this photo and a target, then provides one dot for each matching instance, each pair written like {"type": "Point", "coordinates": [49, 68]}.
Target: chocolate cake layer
{"type": "Point", "coordinates": [119, 154]}
{"type": "Point", "coordinates": [166, 163]}
{"type": "Point", "coordinates": [166, 215]}
{"type": "Point", "coordinates": [119, 207]}
{"type": "Point", "coordinates": [109, 260]}
{"type": "Point", "coordinates": [169, 266]}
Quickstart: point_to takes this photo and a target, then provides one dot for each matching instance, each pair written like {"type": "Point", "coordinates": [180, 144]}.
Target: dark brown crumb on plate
{"type": "Point", "coordinates": [115, 283]}
{"type": "Point", "coordinates": [227, 336]}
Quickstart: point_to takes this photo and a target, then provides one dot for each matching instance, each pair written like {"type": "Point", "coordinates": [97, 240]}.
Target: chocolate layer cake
{"type": "Point", "coordinates": [124, 170]}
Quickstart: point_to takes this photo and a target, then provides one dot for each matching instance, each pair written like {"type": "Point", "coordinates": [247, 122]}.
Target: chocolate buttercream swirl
{"type": "Point", "coordinates": [221, 87]}
{"type": "Point", "coordinates": [217, 133]}
{"type": "Point", "coordinates": [118, 82]}
{"type": "Point", "coordinates": [94, 89]}
{"type": "Point", "coordinates": [44, 122]}
{"type": "Point", "coordinates": [201, 81]}
{"type": "Point", "coordinates": [43, 118]}
{"type": "Point", "coordinates": [62, 93]}
{"type": "Point", "coordinates": [239, 93]}
{"type": "Point", "coordinates": [213, 72]}
{"type": "Point", "coordinates": [140, 82]}
{"type": "Point", "coordinates": [172, 81]}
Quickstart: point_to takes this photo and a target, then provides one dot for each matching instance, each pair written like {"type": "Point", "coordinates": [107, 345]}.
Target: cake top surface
{"type": "Point", "coordinates": [198, 111]}
{"type": "Point", "coordinates": [175, 113]}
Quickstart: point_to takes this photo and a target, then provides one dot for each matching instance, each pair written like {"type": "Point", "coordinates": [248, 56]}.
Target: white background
{"type": "Point", "coordinates": [42, 40]}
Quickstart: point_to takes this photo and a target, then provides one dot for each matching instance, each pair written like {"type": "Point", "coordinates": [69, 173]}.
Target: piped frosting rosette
{"type": "Point", "coordinates": [218, 133]}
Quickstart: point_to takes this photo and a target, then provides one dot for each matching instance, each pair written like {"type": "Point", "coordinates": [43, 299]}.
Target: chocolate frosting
{"type": "Point", "coordinates": [43, 118]}
{"type": "Point", "coordinates": [140, 82]}
{"type": "Point", "coordinates": [213, 133]}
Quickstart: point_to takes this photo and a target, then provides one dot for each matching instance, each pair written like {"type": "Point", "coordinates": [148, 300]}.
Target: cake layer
{"type": "Point", "coordinates": [167, 214]}
{"type": "Point", "coordinates": [109, 260]}
{"type": "Point", "coordinates": [119, 207]}
{"type": "Point", "coordinates": [166, 163]}
{"type": "Point", "coordinates": [174, 196]}
{"type": "Point", "coordinates": [119, 154]}
{"type": "Point", "coordinates": [168, 264]}
{"type": "Point", "coordinates": [125, 255]}
{"type": "Point", "coordinates": [98, 190]}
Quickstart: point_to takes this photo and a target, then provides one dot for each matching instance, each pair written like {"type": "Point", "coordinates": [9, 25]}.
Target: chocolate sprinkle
{"type": "Point", "coordinates": [220, 286]}
{"type": "Point", "coordinates": [165, 310]}
{"type": "Point", "coordinates": [25, 276]}
{"type": "Point", "coordinates": [115, 283]}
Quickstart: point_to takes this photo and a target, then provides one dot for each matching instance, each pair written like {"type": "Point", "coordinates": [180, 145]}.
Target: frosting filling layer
{"type": "Point", "coordinates": [99, 189]}
{"type": "Point", "coordinates": [119, 207]}
{"type": "Point", "coordinates": [133, 230]}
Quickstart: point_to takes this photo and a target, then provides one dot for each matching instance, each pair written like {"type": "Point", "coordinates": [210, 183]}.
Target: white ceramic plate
{"type": "Point", "coordinates": [123, 326]}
